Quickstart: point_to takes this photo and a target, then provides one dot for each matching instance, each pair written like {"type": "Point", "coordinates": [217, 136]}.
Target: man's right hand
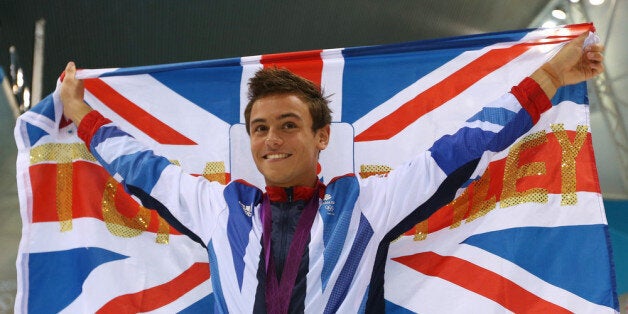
{"type": "Point", "coordinates": [72, 91]}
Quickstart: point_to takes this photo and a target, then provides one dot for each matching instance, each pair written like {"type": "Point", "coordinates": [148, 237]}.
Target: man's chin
{"type": "Point", "coordinates": [272, 178]}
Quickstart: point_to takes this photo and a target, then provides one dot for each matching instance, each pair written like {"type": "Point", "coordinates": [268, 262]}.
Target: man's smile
{"type": "Point", "coordinates": [277, 156]}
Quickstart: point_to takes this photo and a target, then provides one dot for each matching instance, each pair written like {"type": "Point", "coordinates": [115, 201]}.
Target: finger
{"type": "Point", "coordinates": [594, 48]}
{"type": "Point", "coordinates": [70, 66]}
{"type": "Point", "coordinates": [597, 68]}
{"type": "Point", "coordinates": [595, 57]}
{"type": "Point", "coordinates": [70, 70]}
{"type": "Point", "coordinates": [597, 47]}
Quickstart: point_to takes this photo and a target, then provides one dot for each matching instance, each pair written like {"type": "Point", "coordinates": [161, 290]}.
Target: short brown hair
{"type": "Point", "coordinates": [273, 81]}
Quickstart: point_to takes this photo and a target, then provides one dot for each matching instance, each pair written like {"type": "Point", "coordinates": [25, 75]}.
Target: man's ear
{"type": "Point", "coordinates": [323, 137]}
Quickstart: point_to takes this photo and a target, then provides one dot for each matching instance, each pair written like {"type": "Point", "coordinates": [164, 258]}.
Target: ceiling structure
{"type": "Point", "coordinates": [120, 33]}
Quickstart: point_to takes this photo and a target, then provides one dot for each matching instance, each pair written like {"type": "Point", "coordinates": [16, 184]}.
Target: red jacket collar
{"type": "Point", "coordinates": [281, 194]}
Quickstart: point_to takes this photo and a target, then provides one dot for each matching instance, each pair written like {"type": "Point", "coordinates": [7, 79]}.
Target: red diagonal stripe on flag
{"type": "Point", "coordinates": [159, 296]}
{"type": "Point", "coordinates": [138, 117]}
{"type": "Point", "coordinates": [451, 86]}
{"type": "Point", "coordinates": [481, 281]}
{"type": "Point", "coordinates": [440, 93]}
{"type": "Point", "coordinates": [307, 64]}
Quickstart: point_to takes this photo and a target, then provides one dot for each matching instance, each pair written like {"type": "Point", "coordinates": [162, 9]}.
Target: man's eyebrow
{"type": "Point", "coordinates": [280, 117]}
{"type": "Point", "coordinates": [289, 115]}
{"type": "Point", "coordinates": [258, 120]}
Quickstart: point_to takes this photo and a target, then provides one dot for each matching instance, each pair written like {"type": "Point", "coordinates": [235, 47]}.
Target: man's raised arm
{"type": "Point", "coordinates": [184, 200]}
{"type": "Point", "coordinates": [454, 158]}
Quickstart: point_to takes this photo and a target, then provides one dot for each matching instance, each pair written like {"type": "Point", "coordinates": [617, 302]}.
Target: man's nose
{"type": "Point", "coordinates": [273, 139]}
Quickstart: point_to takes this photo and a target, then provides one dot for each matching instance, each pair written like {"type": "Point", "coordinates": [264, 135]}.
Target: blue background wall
{"type": "Point", "coordinates": [617, 214]}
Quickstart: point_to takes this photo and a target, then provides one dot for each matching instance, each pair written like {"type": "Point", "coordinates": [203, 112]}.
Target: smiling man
{"type": "Point", "coordinates": [285, 250]}
{"type": "Point", "coordinates": [288, 120]}
{"type": "Point", "coordinates": [283, 144]}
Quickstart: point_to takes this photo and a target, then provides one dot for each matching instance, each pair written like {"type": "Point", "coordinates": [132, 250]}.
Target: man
{"type": "Point", "coordinates": [303, 246]}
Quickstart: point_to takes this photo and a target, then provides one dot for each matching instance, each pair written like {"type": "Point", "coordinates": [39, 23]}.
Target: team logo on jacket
{"type": "Point", "coordinates": [328, 204]}
{"type": "Point", "coordinates": [248, 209]}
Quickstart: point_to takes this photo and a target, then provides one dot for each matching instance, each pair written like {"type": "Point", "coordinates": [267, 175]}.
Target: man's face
{"type": "Point", "coordinates": [284, 147]}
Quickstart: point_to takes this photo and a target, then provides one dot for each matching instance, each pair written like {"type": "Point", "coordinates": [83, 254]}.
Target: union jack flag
{"type": "Point", "coordinates": [527, 234]}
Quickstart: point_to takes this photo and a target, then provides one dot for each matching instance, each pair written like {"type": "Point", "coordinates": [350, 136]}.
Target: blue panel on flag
{"type": "Point", "coordinates": [576, 93]}
{"type": "Point", "coordinates": [57, 278]}
{"type": "Point", "coordinates": [370, 81]}
{"type": "Point", "coordinates": [34, 133]}
{"type": "Point", "coordinates": [534, 244]}
{"type": "Point", "coordinates": [204, 305]}
{"type": "Point", "coordinates": [215, 89]}
{"type": "Point", "coordinates": [45, 108]}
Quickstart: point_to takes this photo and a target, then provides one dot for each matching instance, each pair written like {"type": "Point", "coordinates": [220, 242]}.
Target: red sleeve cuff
{"type": "Point", "coordinates": [90, 123]}
{"type": "Point", "coordinates": [532, 98]}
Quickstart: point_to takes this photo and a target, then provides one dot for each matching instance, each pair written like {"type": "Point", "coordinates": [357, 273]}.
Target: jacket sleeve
{"type": "Point", "coordinates": [190, 204]}
{"type": "Point", "coordinates": [415, 190]}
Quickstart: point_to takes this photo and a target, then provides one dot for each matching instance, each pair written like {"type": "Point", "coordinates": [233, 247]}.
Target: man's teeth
{"type": "Point", "coordinates": [276, 156]}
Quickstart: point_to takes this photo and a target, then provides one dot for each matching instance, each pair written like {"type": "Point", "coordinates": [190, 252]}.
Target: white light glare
{"type": "Point", "coordinates": [574, 1]}
{"type": "Point", "coordinates": [549, 24]}
{"type": "Point", "coordinates": [559, 14]}
{"type": "Point", "coordinates": [596, 2]}
{"type": "Point", "coordinates": [20, 78]}
{"type": "Point", "coordinates": [27, 98]}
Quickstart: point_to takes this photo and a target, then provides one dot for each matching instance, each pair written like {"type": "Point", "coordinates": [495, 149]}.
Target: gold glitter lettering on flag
{"type": "Point", "coordinates": [215, 171]}
{"type": "Point", "coordinates": [568, 162]}
{"type": "Point", "coordinates": [123, 226]}
{"type": "Point", "coordinates": [63, 155]}
{"type": "Point", "coordinates": [60, 153]}
{"type": "Point", "coordinates": [163, 231]}
{"type": "Point", "coordinates": [372, 170]}
{"type": "Point", "coordinates": [421, 231]}
{"type": "Point", "coordinates": [460, 207]}
{"type": "Point", "coordinates": [513, 172]}
{"type": "Point", "coordinates": [64, 195]}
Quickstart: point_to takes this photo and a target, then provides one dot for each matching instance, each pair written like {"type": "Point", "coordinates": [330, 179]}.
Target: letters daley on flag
{"type": "Point", "coordinates": [527, 234]}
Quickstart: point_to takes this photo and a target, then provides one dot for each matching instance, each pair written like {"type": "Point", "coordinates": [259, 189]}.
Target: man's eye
{"type": "Point", "coordinates": [289, 125]}
{"type": "Point", "coordinates": [260, 128]}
